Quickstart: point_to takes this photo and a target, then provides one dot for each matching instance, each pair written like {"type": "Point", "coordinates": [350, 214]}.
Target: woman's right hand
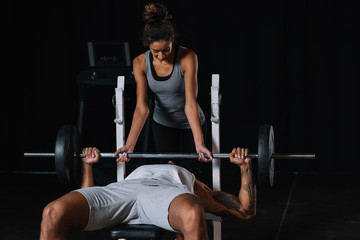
{"type": "Point", "coordinates": [121, 154]}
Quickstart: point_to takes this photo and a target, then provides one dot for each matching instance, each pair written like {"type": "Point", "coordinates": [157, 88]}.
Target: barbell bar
{"type": "Point", "coordinates": [68, 165]}
{"type": "Point", "coordinates": [181, 155]}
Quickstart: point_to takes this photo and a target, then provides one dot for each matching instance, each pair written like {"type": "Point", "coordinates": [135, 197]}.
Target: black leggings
{"type": "Point", "coordinates": [167, 139]}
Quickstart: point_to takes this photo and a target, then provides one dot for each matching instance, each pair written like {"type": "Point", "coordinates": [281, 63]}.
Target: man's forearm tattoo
{"type": "Point", "coordinates": [229, 201]}
{"type": "Point", "coordinates": [232, 202]}
{"type": "Point", "coordinates": [249, 187]}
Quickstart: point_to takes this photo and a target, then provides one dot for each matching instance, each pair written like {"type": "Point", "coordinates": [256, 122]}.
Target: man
{"type": "Point", "coordinates": [165, 195]}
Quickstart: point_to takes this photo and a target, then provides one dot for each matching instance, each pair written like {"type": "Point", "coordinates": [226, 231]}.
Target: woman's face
{"type": "Point", "coordinates": [161, 50]}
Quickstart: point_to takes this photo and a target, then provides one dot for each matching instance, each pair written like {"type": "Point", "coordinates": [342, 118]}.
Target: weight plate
{"type": "Point", "coordinates": [68, 168]}
{"type": "Point", "coordinates": [266, 164]}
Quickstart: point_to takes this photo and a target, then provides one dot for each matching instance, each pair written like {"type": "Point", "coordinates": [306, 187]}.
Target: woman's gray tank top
{"type": "Point", "coordinates": [169, 95]}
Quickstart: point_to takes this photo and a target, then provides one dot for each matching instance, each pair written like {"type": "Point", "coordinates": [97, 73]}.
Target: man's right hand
{"type": "Point", "coordinates": [91, 155]}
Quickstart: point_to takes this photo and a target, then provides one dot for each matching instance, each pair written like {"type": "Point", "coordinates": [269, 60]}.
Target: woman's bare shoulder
{"type": "Point", "coordinates": [187, 52]}
{"type": "Point", "coordinates": [140, 59]}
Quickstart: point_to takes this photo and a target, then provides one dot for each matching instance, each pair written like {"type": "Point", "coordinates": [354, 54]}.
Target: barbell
{"type": "Point", "coordinates": [68, 151]}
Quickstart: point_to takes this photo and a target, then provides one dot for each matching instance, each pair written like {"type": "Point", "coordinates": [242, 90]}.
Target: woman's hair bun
{"type": "Point", "coordinates": [156, 12]}
{"type": "Point", "coordinates": [159, 24]}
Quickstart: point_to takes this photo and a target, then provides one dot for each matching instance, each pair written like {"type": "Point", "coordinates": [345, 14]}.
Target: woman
{"type": "Point", "coordinates": [170, 71]}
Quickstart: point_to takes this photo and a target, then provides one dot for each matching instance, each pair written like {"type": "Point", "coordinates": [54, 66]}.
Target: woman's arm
{"type": "Point", "coordinates": [189, 65]}
{"type": "Point", "coordinates": [141, 111]}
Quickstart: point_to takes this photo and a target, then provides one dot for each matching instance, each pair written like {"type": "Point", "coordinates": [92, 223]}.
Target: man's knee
{"type": "Point", "coordinates": [186, 213]}
{"type": "Point", "coordinates": [51, 216]}
{"type": "Point", "coordinates": [193, 216]}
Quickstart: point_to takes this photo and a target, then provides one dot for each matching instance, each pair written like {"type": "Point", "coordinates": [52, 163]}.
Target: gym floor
{"type": "Point", "coordinates": [298, 206]}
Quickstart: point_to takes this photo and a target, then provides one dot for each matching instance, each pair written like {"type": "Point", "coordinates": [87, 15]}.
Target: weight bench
{"type": "Point", "coordinates": [136, 231]}
{"type": "Point", "coordinates": [144, 231]}
{"type": "Point", "coordinates": [148, 231]}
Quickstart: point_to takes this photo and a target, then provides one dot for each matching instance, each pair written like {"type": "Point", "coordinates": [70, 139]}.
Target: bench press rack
{"type": "Point", "coordinates": [141, 231]}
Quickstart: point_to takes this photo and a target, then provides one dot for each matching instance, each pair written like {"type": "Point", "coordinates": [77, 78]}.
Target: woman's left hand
{"type": "Point", "coordinates": [202, 150]}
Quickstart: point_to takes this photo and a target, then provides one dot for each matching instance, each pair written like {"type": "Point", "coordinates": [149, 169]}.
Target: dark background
{"type": "Point", "coordinates": [293, 64]}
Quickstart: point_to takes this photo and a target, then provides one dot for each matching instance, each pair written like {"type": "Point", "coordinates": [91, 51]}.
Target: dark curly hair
{"type": "Point", "coordinates": [159, 24]}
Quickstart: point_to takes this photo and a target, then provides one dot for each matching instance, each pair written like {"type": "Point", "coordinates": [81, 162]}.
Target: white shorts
{"type": "Point", "coordinates": [137, 201]}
